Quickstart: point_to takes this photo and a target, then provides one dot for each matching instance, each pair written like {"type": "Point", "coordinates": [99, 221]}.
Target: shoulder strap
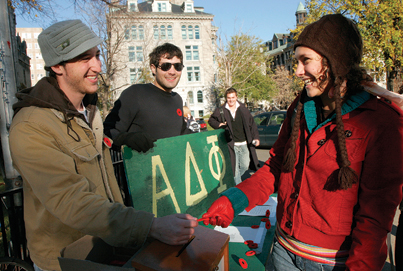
{"type": "Point", "coordinates": [222, 115]}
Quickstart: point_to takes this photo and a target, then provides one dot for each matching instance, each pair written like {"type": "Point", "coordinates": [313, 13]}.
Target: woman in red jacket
{"type": "Point", "coordinates": [337, 164]}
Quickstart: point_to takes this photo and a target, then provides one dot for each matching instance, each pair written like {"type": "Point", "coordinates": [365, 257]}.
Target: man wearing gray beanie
{"type": "Point", "coordinates": [58, 146]}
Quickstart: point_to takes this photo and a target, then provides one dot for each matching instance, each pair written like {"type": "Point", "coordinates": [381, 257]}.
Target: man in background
{"type": "Point", "coordinates": [243, 134]}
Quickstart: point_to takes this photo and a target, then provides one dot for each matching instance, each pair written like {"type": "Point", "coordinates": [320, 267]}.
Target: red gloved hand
{"type": "Point", "coordinates": [220, 213]}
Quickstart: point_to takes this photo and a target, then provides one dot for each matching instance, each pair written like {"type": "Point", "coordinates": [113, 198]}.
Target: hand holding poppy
{"type": "Point", "coordinates": [220, 213]}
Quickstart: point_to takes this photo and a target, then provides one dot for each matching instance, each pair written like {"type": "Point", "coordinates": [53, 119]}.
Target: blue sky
{"type": "Point", "coordinates": [261, 18]}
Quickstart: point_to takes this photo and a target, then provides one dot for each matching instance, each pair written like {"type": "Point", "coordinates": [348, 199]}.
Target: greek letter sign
{"type": "Point", "coordinates": [182, 174]}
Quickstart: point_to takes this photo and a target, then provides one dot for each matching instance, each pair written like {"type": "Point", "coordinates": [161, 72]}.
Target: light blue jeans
{"type": "Point", "coordinates": [281, 259]}
{"type": "Point", "coordinates": [36, 268]}
{"type": "Point", "coordinates": [241, 161]}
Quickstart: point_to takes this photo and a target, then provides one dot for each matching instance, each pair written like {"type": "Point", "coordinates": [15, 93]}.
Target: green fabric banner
{"type": "Point", "coordinates": [182, 174]}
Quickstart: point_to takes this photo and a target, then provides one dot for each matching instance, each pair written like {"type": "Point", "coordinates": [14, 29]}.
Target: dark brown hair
{"type": "Point", "coordinates": [345, 175]}
{"type": "Point", "coordinates": [167, 50]}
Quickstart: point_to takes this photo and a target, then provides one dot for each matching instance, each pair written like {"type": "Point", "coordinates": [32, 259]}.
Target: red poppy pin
{"type": "Point", "coordinates": [107, 142]}
{"type": "Point", "coordinates": [179, 112]}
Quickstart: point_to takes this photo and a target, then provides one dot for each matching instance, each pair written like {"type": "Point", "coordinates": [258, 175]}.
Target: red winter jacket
{"type": "Point", "coordinates": [357, 219]}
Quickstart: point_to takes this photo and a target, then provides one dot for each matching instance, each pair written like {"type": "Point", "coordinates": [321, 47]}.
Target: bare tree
{"type": "Point", "coordinates": [286, 90]}
{"type": "Point", "coordinates": [241, 65]}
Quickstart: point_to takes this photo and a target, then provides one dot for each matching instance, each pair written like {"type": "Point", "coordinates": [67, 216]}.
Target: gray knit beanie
{"type": "Point", "coordinates": [66, 40]}
{"type": "Point", "coordinates": [337, 38]}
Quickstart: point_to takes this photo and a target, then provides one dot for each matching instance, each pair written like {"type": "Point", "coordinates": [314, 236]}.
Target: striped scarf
{"type": "Point", "coordinates": [313, 253]}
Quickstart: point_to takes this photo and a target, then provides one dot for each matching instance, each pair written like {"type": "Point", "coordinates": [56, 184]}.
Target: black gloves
{"type": "Point", "coordinates": [138, 141]}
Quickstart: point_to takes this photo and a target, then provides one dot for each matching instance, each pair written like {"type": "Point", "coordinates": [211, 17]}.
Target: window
{"type": "Point", "coordinates": [29, 46]}
{"type": "Point", "coordinates": [190, 32]}
{"type": "Point", "coordinates": [170, 33]}
{"type": "Point", "coordinates": [141, 32]}
{"type": "Point", "coordinates": [136, 76]}
{"type": "Point", "coordinates": [139, 50]}
{"type": "Point", "coordinates": [30, 56]}
{"type": "Point", "coordinates": [192, 52]}
{"type": "Point", "coordinates": [156, 34]}
{"type": "Point", "coordinates": [163, 32]}
{"type": "Point", "coordinates": [135, 52]}
{"type": "Point", "coordinates": [201, 113]}
{"type": "Point", "coordinates": [32, 76]}
{"type": "Point", "coordinates": [36, 35]}
{"type": "Point", "coordinates": [197, 73]}
{"type": "Point", "coordinates": [26, 35]}
{"type": "Point", "coordinates": [184, 32]}
{"type": "Point", "coordinates": [36, 46]}
{"type": "Point", "coordinates": [189, 7]}
{"type": "Point", "coordinates": [132, 55]}
{"type": "Point", "coordinates": [193, 74]}
{"type": "Point", "coordinates": [127, 33]}
{"type": "Point", "coordinates": [38, 56]}
{"type": "Point", "coordinates": [190, 97]}
{"type": "Point", "coordinates": [200, 96]}
{"type": "Point", "coordinates": [40, 76]}
{"type": "Point", "coordinates": [134, 32]}
{"type": "Point", "coordinates": [39, 66]}
{"type": "Point", "coordinates": [162, 7]}
{"type": "Point", "coordinates": [132, 7]}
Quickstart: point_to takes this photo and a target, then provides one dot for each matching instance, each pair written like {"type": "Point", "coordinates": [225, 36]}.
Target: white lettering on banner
{"type": "Point", "coordinates": [156, 161]}
{"type": "Point", "coordinates": [195, 198]}
{"type": "Point", "coordinates": [219, 175]}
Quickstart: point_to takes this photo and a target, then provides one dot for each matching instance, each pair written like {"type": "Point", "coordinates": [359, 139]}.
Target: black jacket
{"type": "Point", "coordinates": [250, 129]}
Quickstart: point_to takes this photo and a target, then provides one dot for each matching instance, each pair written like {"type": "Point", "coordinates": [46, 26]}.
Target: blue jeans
{"type": "Point", "coordinates": [242, 161]}
{"type": "Point", "coordinates": [36, 268]}
{"type": "Point", "coordinates": [281, 259]}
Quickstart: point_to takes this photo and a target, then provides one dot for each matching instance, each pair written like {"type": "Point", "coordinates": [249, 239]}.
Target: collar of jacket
{"type": "Point", "coordinates": [313, 105]}
{"type": "Point", "coordinates": [47, 94]}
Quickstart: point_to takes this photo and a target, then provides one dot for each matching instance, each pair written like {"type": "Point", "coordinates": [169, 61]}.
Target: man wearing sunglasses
{"type": "Point", "coordinates": [147, 112]}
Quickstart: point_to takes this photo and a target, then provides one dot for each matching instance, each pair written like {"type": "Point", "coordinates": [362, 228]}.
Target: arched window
{"type": "Point", "coordinates": [197, 32]}
{"type": "Point", "coordinates": [190, 97]}
{"type": "Point", "coordinates": [170, 33]}
{"type": "Point", "coordinates": [200, 96]}
{"type": "Point", "coordinates": [163, 32]}
{"type": "Point", "coordinates": [156, 34]}
{"type": "Point", "coordinates": [183, 32]}
{"type": "Point", "coordinates": [190, 32]}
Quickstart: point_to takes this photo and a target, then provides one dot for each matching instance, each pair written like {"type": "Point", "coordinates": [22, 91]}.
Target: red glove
{"type": "Point", "coordinates": [220, 213]}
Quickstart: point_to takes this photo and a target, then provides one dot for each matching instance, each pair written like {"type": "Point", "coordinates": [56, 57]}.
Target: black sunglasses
{"type": "Point", "coordinates": [167, 66]}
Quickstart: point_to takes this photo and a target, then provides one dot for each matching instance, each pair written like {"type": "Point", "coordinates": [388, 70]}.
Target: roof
{"type": "Point", "coordinates": [176, 9]}
{"type": "Point", "coordinates": [301, 8]}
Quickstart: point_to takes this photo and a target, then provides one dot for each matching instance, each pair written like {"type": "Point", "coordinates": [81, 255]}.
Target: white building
{"type": "Point", "coordinates": [139, 27]}
{"type": "Point", "coordinates": [30, 36]}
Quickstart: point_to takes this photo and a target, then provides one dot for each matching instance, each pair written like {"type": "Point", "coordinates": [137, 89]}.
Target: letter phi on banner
{"type": "Point", "coordinates": [182, 174]}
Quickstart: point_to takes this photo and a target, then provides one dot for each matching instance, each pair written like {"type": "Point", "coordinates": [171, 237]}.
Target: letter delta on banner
{"type": "Point", "coordinates": [182, 174]}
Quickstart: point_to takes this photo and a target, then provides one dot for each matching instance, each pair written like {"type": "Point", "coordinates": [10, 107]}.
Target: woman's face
{"type": "Point", "coordinates": [311, 70]}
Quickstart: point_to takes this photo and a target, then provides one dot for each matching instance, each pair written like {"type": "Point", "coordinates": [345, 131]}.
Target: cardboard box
{"type": "Point", "coordinates": [208, 249]}
{"type": "Point", "coordinates": [93, 254]}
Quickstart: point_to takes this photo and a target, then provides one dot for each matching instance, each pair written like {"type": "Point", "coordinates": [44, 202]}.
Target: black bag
{"type": "Point", "coordinates": [228, 136]}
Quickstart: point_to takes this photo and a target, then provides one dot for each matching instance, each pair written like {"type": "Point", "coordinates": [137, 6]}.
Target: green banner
{"type": "Point", "coordinates": [182, 174]}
